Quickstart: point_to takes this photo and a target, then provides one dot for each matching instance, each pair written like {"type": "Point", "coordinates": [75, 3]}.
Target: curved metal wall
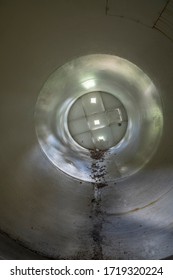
{"type": "Point", "coordinates": [41, 207]}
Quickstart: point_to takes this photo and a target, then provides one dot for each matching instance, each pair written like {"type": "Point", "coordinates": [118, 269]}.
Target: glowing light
{"type": "Point", "coordinates": [120, 115]}
{"type": "Point", "coordinates": [96, 122]}
{"type": "Point", "coordinates": [89, 84]}
{"type": "Point", "coordinates": [101, 138]}
{"type": "Point", "coordinates": [93, 100]}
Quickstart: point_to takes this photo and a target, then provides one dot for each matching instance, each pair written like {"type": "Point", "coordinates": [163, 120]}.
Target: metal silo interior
{"type": "Point", "coordinates": [86, 154]}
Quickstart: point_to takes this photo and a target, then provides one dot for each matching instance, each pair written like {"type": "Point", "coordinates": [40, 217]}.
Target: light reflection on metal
{"type": "Point", "coordinates": [120, 115]}
{"type": "Point", "coordinates": [101, 138]}
{"type": "Point", "coordinates": [89, 85]}
{"type": "Point", "coordinates": [120, 78]}
{"type": "Point", "coordinates": [93, 100]}
{"type": "Point", "coordinates": [96, 122]}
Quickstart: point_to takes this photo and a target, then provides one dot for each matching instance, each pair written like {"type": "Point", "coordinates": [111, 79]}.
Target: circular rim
{"type": "Point", "coordinates": [106, 73]}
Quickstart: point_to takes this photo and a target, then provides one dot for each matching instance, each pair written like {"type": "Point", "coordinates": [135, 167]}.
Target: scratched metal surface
{"type": "Point", "coordinates": [43, 209]}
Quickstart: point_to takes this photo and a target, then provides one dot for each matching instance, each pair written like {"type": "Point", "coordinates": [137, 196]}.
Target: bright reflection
{"type": "Point", "coordinates": [120, 115]}
{"type": "Point", "coordinates": [101, 138]}
{"type": "Point", "coordinates": [96, 122]}
{"type": "Point", "coordinates": [93, 100]}
{"type": "Point", "coordinates": [89, 84]}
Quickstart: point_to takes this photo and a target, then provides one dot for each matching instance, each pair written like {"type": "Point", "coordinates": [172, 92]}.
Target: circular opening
{"type": "Point", "coordinates": [83, 106]}
{"type": "Point", "coordinates": [97, 120]}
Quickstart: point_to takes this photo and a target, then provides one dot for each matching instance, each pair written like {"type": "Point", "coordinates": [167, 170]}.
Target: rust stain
{"type": "Point", "coordinates": [135, 209]}
{"type": "Point", "coordinates": [98, 168]}
{"type": "Point", "coordinates": [98, 171]}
